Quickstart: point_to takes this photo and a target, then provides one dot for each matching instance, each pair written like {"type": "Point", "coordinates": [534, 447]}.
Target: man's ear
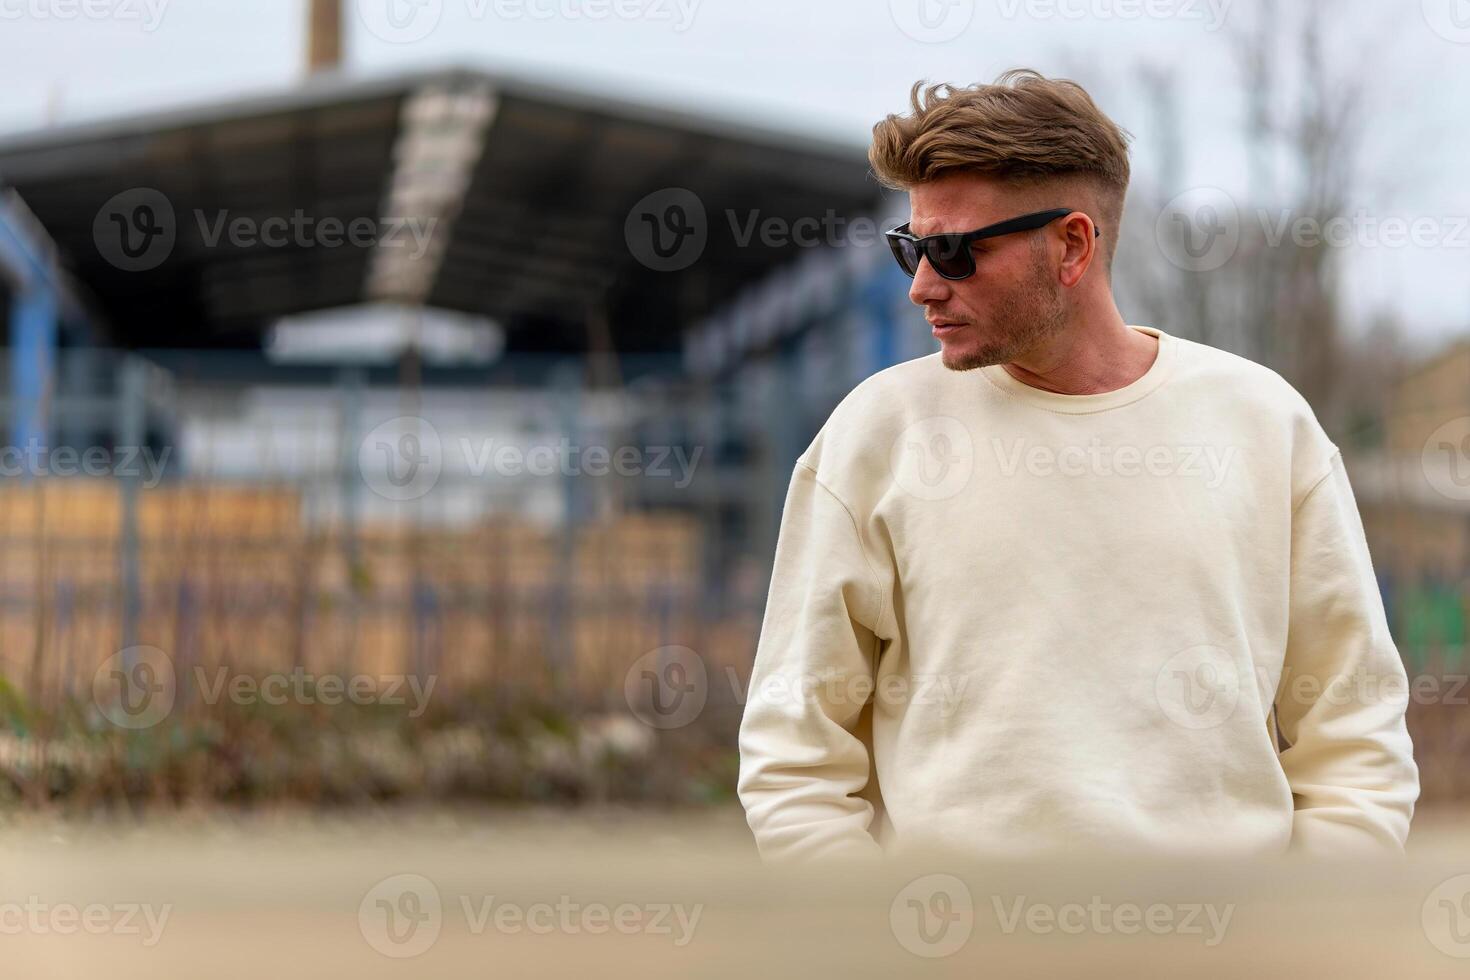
{"type": "Point", "coordinates": [1082, 247]}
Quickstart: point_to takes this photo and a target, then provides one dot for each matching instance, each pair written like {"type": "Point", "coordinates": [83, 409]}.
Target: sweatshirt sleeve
{"type": "Point", "coordinates": [801, 764]}
{"type": "Point", "coordinates": [1344, 690]}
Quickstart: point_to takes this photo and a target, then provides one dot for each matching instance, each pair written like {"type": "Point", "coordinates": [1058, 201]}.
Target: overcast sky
{"type": "Point", "coordinates": [830, 67]}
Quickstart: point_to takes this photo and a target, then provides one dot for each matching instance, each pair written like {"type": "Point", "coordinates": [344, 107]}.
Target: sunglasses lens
{"type": "Point", "coordinates": [907, 254]}
{"type": "Point", "coordinates": [950, 257]}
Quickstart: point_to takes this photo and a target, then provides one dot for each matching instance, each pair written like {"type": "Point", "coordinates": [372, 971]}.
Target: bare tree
{"type": "Point", "coordinates": [1277, 299]}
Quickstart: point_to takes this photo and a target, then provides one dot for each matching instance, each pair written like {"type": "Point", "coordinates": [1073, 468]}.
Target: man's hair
{"type": "Point", "coordinates": [1025, 129]}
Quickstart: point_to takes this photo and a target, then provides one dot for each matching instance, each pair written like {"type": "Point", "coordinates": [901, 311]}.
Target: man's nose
{"type": "Point", "coordinates": [929, 286]}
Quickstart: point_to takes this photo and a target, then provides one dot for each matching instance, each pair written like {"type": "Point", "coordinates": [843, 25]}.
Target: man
{"type": "Point", "coordinates": [1064, 583]}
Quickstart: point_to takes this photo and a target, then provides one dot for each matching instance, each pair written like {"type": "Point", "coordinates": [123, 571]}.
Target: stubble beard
{"type": "Point", "coordinates": [1028, 317]}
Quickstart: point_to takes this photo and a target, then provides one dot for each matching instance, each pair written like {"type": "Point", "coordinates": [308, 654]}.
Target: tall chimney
{"type": "Point", "coordinates": [324, 36]}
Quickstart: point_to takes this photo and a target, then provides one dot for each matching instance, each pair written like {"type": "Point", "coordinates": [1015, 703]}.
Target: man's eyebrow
{"type": "Point", "coordinates": [914, 228]}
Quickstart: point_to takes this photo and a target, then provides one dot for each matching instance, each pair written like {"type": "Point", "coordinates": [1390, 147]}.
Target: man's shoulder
{"type": "Point", "coordinates": [1260, 402]}
{"type": "Point", "coordinates": [1216, 364]}
{"type": "Point", "coordinates": [890, 391]}
{"type": "Point", "coordinates": [1238, 378]}
{"type": "Point", "coordinates": [876, 411]}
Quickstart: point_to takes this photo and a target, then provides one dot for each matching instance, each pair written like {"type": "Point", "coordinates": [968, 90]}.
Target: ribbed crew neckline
{"type": "Point", "coordinates": [1052, 401]}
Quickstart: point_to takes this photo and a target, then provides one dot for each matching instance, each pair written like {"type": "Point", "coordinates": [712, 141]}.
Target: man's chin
{"type": "Point", "coordinates": [966, 358]}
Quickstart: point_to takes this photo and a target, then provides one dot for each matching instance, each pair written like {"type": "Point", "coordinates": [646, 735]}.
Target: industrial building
{"type": "Point", "coordinates": [245, 318]}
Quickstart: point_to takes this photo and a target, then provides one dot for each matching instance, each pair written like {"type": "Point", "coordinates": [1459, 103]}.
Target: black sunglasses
{"type": "Point", "coordinates": [950, 254]}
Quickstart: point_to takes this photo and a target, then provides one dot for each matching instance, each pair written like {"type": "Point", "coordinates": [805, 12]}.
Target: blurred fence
{"type": "Point", "coordinates": [222, 575]}
{"type": "Point", "coordinates": [538, 538]}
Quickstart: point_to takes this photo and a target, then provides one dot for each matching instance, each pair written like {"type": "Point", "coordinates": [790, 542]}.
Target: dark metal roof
{"type": "Point", "coordinates": [533, 228]}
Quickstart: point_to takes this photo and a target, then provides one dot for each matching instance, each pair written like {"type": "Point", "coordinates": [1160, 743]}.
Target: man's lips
{"type": "Point", "coordinates": [942, 327]}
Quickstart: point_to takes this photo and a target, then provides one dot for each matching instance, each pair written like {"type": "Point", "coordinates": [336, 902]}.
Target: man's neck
{"type": "Point", "coordinates": [1086, 360]}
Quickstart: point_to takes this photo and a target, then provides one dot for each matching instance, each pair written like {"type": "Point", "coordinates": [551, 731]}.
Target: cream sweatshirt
{"type": "Point", "coordinates": [1012, 621]}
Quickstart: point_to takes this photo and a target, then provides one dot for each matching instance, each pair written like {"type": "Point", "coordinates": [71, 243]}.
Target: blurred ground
{"type": "Point", "coordinates": [614, 892]}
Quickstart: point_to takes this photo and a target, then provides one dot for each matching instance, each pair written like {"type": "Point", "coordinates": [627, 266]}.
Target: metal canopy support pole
{"type": "Point", "coordinates": [567, 382]}
{"type": "Point", "coordinates": [131, 431]}
{"type": "Point", "coordinates": [351, 389]}
{"type": "Point", "coordinates": [28, 262]}
{"type": "Point", "coordinates": [351, 393]}
{"type": "Point", "coordinates": [32, 366]}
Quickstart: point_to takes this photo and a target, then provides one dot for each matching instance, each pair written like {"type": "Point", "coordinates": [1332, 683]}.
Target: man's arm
{"type": "Point", "coordinates": [800, 763]}
{"type": "Point", "coordinates": [1344, 690]}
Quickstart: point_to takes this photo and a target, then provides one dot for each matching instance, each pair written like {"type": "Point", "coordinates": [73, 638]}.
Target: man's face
{"type": "Point", "coordinates": [1013, 302]}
